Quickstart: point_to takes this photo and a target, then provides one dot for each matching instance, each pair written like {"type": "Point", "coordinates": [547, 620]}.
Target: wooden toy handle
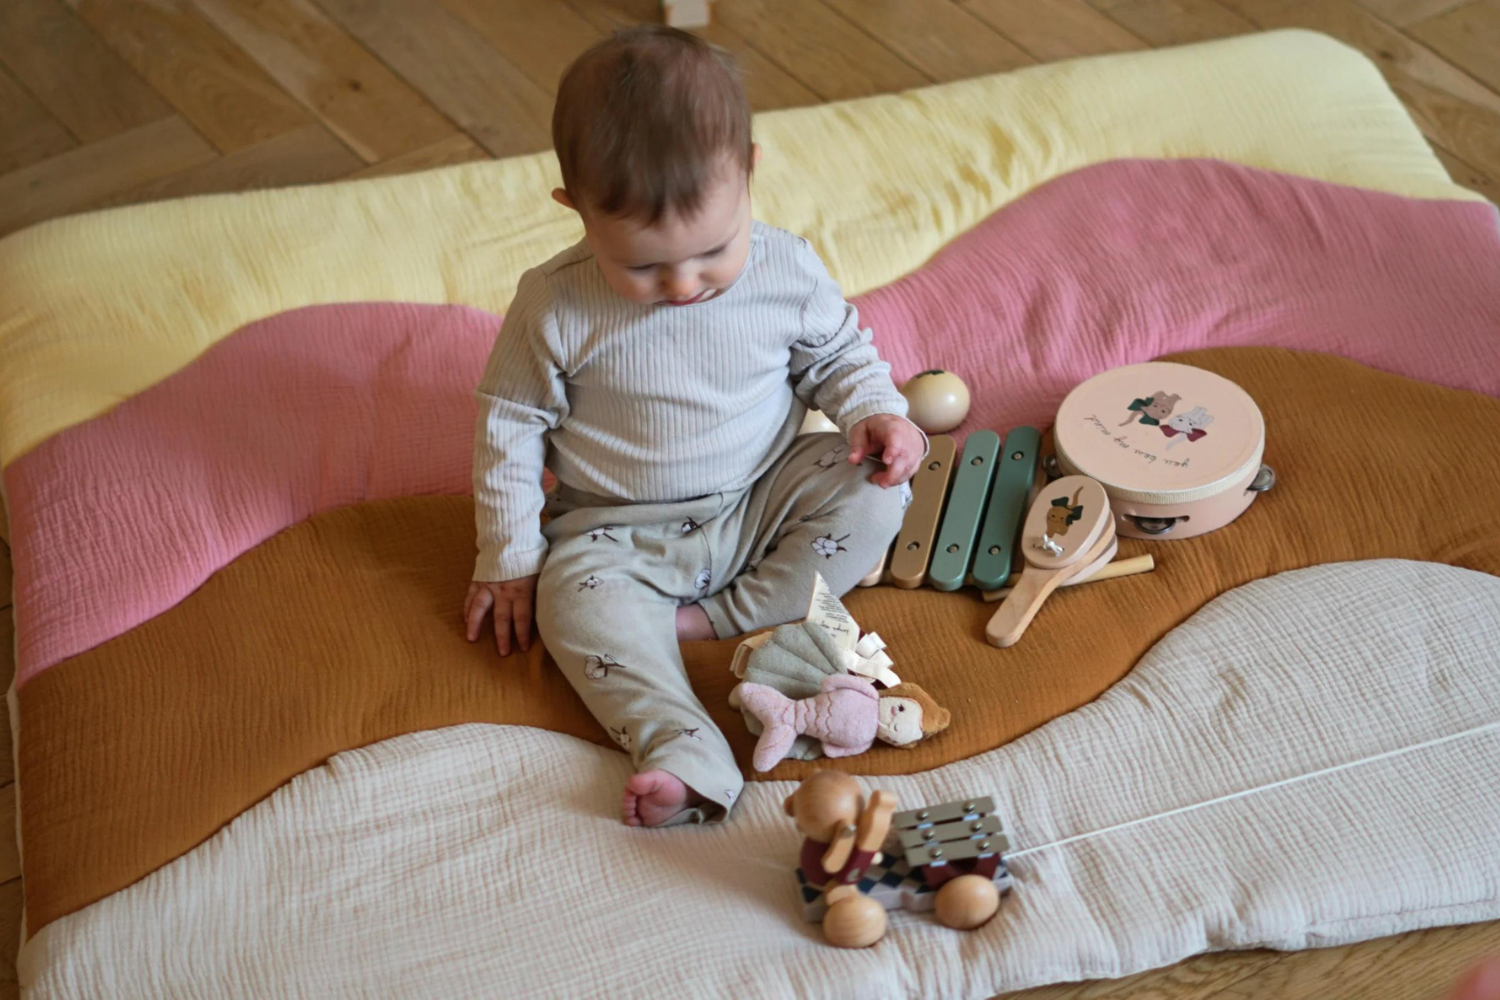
{"type": "Point", "coordinates": [1025, 600]}
{"type": "Point", "coordinates": [1113, 571]}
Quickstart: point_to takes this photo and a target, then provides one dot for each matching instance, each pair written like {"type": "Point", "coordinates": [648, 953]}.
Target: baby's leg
{"type": "Point", "coordinates": [811, 513]}
{"type": "Point", "coordinates": [605, 612]}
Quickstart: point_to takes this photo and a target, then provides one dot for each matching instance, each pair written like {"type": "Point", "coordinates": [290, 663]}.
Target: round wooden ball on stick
{"type": "Point", "coordinates": [936, 401]}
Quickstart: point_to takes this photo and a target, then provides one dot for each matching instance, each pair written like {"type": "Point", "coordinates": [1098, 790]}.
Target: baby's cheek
{"type": "Point", "coordinates": [630, 286]}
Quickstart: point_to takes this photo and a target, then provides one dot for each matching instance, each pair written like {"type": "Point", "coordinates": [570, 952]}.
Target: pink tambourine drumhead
{"type": "Point", "coordinates": [1165, 437]}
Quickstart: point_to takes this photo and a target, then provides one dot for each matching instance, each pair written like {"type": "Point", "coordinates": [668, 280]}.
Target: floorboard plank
{"type": "Point", "coordinates": [210, 81]}
{"type": "Point", "coordinates": [1178, 22]}
{"type": "Point", "coordinates": [347, 88]}
{"type": "Point", "coordinates": [1193, 979]}
{"type": "Point", "coordinates": [453, 68]}
{"type": "Point", "coordinates": [27, 132]}
{"type": "Point", "coordinates": [7, 674]}
{"type": "Point", "coordinates": [7, 756]}
{"type": "Point", "coordinates": [309, 155]}
{"type": "Point", "coordinates": [1420, 965]}
{"type": "Point", "coordinates": [10, 857]}
{"type": "Point", "coordinates": [444, 153]}
{"type": "Point", "coordinates": [1463, 173]}
{"type": "Point", "coordinates": [84, 176]}
{"type": "Point", "coordinates": [1453, 110]}
{"type": "Point", "coordinates": [938, 37]}
{"type": "Point", "coordinates": [73, 74]}
{"type": "Point", "coordinates": [10, 934]}
{"type": "Point", "coordinates": [542, 39]}
{"type": "Point", "coordinates": [1071, 28]}
{"type": "Point", "coordinates": [1468, 37]}
{"type": "Point", "coordinates": [830, 56]}
{"type": "Point", "coordinates": [767, 84]}
{"type": "Point", "coordinates": [1401, 13]}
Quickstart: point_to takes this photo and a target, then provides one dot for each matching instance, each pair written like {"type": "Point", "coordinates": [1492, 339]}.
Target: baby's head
{"type": "Point", "coordinates": [652, 131]}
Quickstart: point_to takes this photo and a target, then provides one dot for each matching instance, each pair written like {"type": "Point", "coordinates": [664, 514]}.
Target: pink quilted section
{"type": "Point", "coordinates": [116, 520]}
{"type": "Point", "coordinates": [1133, 259]}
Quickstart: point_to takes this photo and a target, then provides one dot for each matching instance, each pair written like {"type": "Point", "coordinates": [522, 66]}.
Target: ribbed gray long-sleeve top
{"type": "Point", "coordinates": [650, 403]}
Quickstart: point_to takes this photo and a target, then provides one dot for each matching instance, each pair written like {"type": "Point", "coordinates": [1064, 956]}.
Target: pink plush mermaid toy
{"type": "Point", "coordinates": [848, 715]}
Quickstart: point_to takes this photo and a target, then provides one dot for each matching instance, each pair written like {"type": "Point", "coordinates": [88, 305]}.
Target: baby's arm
{"type": "Point", "coordinates": [521, 397]}
{"type": "Point", "coordinates": [836, 369]}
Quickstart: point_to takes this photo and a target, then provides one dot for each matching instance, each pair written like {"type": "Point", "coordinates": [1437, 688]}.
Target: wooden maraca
{"type": "Point", "coordinates": [1068, 530]}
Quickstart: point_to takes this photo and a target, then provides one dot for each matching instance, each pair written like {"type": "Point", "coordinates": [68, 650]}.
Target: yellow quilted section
{"type": "Point", "coordinates": [96, 308]}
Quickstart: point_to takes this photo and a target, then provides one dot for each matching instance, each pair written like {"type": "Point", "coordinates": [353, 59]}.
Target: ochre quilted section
{"type": "Point", "coordinates": [344, 630]}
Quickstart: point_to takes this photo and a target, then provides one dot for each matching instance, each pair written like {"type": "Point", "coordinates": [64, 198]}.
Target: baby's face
{"type": "Point", "coordinates": [678, 261]}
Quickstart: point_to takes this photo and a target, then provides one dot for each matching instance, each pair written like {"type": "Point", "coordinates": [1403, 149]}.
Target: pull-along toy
{"type": "Point", "coordinates": [859, 860]}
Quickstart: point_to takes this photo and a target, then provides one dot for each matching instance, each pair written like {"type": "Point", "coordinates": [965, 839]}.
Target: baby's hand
{"type": "Point", "coordinates": [891, 439]}
{"type": "Point", "coordinates": [512, 601]}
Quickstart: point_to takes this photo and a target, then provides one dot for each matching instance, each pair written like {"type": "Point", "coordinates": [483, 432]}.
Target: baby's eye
{"type": "Point", "coordinates": [643, 268]}
{"type": "Point", "coordinates": [717, 251]}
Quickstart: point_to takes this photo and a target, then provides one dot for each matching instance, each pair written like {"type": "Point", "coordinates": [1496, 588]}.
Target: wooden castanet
{"type": "Point", "coordinates": [1067, 530]}
{"type": "Point", "coordinates": [1088, 572]}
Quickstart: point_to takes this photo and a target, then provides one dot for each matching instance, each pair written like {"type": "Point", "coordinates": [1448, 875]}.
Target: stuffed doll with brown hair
{"type": "Point", "coordinates": [847, 716]}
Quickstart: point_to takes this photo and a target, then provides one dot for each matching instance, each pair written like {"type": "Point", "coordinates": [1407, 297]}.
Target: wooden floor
{"type": "Point", "coordinates": [106, 102]}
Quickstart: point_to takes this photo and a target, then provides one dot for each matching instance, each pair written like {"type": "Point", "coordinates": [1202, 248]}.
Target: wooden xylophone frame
{"type": "Point", "coordinates": [965, 514]}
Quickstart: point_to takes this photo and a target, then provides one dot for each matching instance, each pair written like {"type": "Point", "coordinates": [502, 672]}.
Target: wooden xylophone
{"type": "Point", "coordinates": [965, 514]}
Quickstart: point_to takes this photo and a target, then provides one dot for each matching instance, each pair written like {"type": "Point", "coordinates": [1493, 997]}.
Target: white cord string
{"type": "Point", "coordinates": [1488, 727]}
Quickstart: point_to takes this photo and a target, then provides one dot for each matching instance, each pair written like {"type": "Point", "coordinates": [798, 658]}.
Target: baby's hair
{"type": "Point", "coordinates": [935, 718]}
{"type": "Point", "coordinates": [646, 119]}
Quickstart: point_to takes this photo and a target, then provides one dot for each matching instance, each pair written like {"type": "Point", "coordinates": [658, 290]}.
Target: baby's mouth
{"type": "Point", "coordinates": [688, 301]}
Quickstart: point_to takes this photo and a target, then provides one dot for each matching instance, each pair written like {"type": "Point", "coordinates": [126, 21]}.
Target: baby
{"type": "Point", "coordinates": [661, 369]}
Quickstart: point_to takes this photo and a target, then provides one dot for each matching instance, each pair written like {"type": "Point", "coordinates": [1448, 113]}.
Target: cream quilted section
{"type": "Point", "coordinates": [1310, 760]}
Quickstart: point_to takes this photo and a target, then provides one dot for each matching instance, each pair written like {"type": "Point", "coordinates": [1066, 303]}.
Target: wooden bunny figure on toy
{"type": "Point", "coordinates": [842, 839]}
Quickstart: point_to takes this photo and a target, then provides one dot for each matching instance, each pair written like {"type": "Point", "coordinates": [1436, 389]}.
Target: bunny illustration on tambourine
{"type": "Point", "coordinates": [1189, 426]}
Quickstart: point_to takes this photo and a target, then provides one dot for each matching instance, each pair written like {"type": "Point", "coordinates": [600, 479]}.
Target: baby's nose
{"type": "Point", "coordinates": [679, 286]}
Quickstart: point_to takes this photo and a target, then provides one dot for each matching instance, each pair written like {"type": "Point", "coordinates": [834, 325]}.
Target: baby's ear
{"type": "Point", "coordinates": [561, 197]}
{"type": "Point", "coordinates": [755, 152]}
{"type": "Point", "coordinates": [788, 807]}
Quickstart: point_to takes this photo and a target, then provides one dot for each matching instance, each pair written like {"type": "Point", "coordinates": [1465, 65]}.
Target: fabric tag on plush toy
{"type": "Point", "coordinates": [829, 612]}
{"type": "Point", "coordinates": [863, 656]}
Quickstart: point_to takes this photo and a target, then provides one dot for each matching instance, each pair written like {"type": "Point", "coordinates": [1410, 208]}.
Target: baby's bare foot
{"type": "Point", "coordinates": [653, 797]}
{"type": "Point", "coordinates": [693, 624]}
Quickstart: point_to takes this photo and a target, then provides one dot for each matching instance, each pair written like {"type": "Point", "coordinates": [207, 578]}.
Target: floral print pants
{"type": "Point", "coordinates": [615, 576]}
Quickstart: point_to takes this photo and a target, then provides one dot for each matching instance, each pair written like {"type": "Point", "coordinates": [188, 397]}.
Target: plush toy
{"type": "Point", "coordinates": [796, 659]}
{"type": "Point", "coordinates": [847, 716]}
